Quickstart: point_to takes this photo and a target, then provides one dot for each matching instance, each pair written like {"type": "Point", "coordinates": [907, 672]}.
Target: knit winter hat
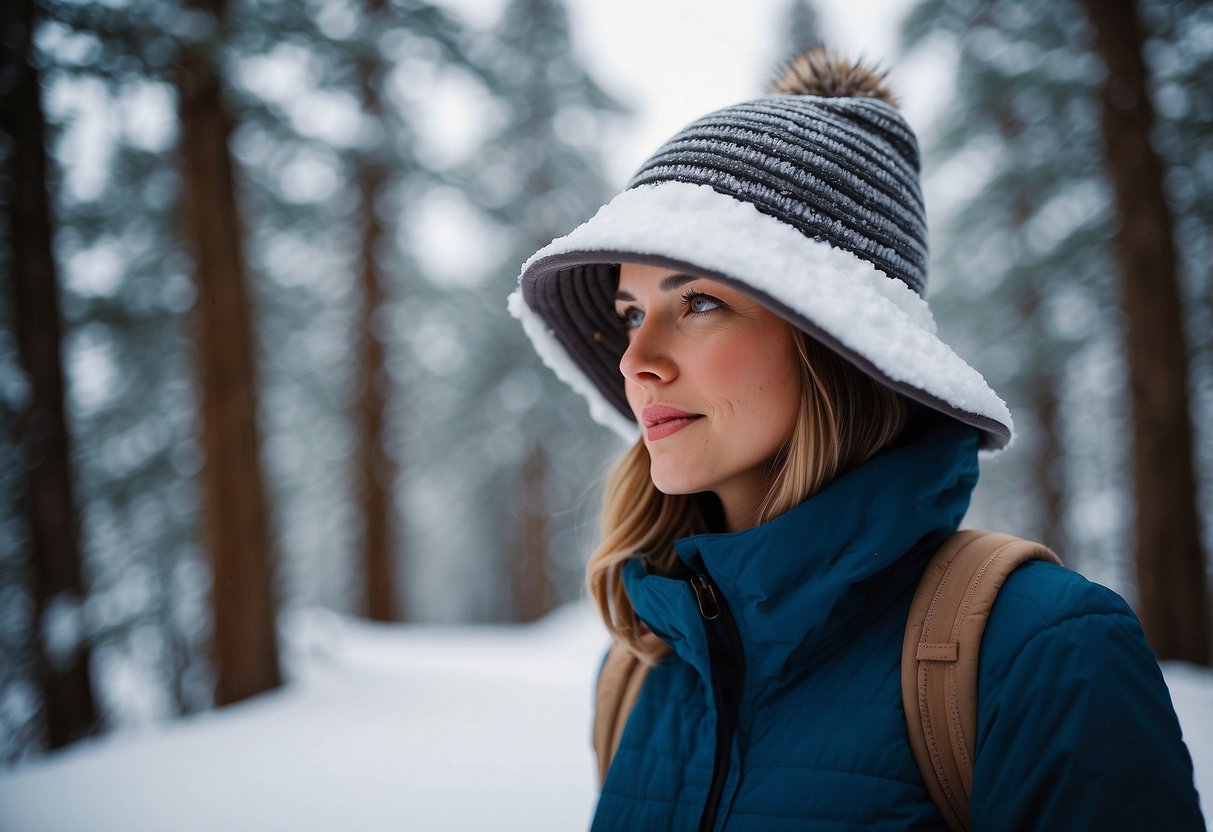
{"type": "Point", "coordinates": [808, 200]}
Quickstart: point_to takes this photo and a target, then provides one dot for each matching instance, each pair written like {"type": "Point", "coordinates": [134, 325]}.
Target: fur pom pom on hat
{"type": "Point", "coordinates": [808, 199]}
{"type": "Point", "coordinates": [821, 72]}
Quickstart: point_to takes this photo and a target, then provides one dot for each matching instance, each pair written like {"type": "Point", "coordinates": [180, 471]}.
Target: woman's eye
{"type": "Point", "coordinates": [698, 304]}
{"type": "Point", "coordinates": [631, 318]}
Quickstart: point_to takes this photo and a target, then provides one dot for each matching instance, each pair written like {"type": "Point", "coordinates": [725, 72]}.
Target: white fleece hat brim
{"type": "Point", "coordinates": [876, 322]}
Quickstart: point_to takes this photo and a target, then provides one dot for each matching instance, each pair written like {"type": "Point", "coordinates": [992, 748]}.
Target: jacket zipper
{"type": "Point", "coordinates": [724, 650]}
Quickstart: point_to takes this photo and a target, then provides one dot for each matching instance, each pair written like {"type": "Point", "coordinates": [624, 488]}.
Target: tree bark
{"type": "Point", "coordinates": [1048, 459]}
{"type": "Point", "coordinates": [1171, 577]}
{"type": "Point", "coordinates": [376, 470]}
{"type": "Point", "coordinates": [534, 593]}
{"type": "Point", "coordinates": [234, 503]}
{"type": "Point", "coordinates": [63, 652]}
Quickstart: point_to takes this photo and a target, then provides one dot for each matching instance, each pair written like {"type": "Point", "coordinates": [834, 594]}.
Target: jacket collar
{"type": "Point", "coordinates": [800, 584]}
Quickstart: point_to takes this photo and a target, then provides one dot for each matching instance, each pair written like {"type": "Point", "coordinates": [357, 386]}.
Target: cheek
{"type": "Point", "coordinates": [731, 368]}
{"type": "Point", "coordinates": [775, 418]}
{"type": "Point", "coordinates": [763, 380]}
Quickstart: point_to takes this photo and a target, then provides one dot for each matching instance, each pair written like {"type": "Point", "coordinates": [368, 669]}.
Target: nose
{"type": "Point", "coordinates": [648, 359]}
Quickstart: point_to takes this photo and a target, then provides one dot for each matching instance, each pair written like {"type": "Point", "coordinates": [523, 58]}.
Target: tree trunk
{"type": "Point", "coordinates": [534, 594]}
{"type": "Point", "coordinates": [1047, 460]}
{"type": "Point", "coordinates": [376, 473]}
{"type": "Point", "coordinates": [63, 651]}
{"type": "Point", "coordinates": [1171, 578]}
{"type": "Point", "coordinates": [234, 503]}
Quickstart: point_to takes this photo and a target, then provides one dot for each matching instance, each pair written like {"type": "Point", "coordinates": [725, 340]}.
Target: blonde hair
{"type": "Point", "coordinates": [844, 418]}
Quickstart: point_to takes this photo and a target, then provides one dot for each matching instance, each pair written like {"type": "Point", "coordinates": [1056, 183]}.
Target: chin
{"type": "Point", "coordinates": [676, 482]}
{"type": "Point", "coordinates": [673, 491]}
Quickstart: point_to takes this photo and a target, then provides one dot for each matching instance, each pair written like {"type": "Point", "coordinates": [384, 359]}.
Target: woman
{"type": "Point", "coordinates": [751, 305]}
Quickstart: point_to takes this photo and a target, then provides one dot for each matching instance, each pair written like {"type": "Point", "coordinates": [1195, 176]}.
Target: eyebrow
{"type": "Point", "coordinates": [667, 284]}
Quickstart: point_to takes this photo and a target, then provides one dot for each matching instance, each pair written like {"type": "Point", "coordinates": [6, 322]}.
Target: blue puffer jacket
{"type": "Point", "coordinates": [785, 711]}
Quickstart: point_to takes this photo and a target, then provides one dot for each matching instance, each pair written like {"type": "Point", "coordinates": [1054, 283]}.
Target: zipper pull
{"type": "Point", "coordinates": [705, 595]}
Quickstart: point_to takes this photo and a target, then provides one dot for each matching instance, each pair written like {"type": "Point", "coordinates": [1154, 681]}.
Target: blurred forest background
{"type": "Point", "coordinates": [254, 354]}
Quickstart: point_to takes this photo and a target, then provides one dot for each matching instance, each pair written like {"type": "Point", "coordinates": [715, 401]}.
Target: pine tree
{"type": "Point", "coordinates": [1031, 118]}
{"type": "Point", "coordinates": [62, 648]}
{"type": "Point", "coordinates": [389, 172]}
{"type": "Point", "coordinates": [1024, 265]}
{"type": "Point", "coordinates": [537, 175]}
{"type": "Point", "coordinates": [1180, 58]}
{"type": "Point", "coordinates": [1171, 577]}
{"type": "Point", "coordinates": [126, 291]}
{"type": "Point", "coordinates": [293, 98]}
{"type": "Point", "coordinates": [376, 469]}
{"type": "Point", "coordinates": [235, 507]}
{"type": "Point", "coordinates": [128, 299]}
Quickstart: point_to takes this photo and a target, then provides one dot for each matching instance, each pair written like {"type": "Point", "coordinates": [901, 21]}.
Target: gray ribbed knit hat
{"type": "Point", "coordinates": [808, 200]}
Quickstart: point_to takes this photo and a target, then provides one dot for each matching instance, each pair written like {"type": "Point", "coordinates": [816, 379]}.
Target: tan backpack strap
{"type": "Point", "coordinates": [939, 658]}
{"type": "Point", "coordinates": [619, 685]}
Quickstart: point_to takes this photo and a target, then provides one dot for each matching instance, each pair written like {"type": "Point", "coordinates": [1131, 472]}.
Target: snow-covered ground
{"type": "Point", "coordinates": [387, 728]}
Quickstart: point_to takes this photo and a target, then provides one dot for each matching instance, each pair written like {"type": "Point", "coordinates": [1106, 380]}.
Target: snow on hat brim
{"type": "Point", "coordinates": [565, 301]}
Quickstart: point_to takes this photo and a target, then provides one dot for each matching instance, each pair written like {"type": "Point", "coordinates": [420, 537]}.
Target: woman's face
{"type": "Point", "coordinates": [713, 379]}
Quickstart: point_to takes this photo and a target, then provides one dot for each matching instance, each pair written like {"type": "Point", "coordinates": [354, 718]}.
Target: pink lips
{"type": "Point", "coordinates": [661, 420]}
